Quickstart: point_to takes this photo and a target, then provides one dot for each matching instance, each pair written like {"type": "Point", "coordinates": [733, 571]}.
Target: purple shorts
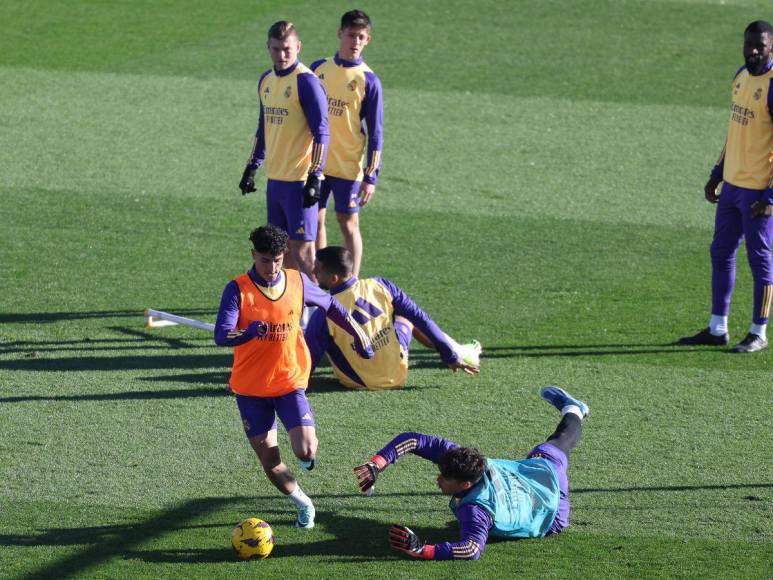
{"type": "Point", "coordinates": [345, 193]}
{"type": "Point", "coordinates": [560, 463]}
{"type": "Point", "coordinates": [284, 205]}
{"type": "Point", "coordinates": [258, 413]}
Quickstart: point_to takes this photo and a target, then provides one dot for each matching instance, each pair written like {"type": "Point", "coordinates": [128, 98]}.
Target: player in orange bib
{"type": "Point", "coordinates": [260, 314]}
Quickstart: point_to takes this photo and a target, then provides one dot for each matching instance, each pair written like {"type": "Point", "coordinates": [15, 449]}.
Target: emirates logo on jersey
{"type": "Point", "coordinates": [757, 94]}
{"type": "Point", "coordinates": [288, 92]}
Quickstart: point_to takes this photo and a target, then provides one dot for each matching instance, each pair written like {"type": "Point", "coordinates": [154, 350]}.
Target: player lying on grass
{"type": "Point", "coordinates": [260, 315]}
{"type": "Point", "coordinates": [490, 497]}
{"type": "Point", "coordinates": [388, 316]}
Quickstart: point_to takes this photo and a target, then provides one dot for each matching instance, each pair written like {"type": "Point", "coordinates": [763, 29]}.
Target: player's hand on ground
{"type": "Point", "coordinates": [403, 539]}
{"type": "Point", "coordinates": [311, 190]}
{"type": "Point", "coordinates": [366, 476]}
{"type": "Point", "coordinates": [366, 193]}
{"type": "Point", "coordinates": [460, 365]}
{"type": "Point", "coordinates": [710, 190]}
{"type": "Point", "coordinates": [762, 209]}
{"type": "Point", "coordinates": [247, 184]}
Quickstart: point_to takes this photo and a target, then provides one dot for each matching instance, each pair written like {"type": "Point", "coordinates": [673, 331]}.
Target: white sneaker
{"type": "Point", "coordinates": [470, 353]}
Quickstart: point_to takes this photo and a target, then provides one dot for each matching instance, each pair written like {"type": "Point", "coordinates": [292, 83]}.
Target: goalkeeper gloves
{"type": "Point", "coordinates": [403, 539]}
{"type": "Point", "coordinates": [247, 184]}
{"type": "Point", "coordinates": [368, 472]}
{"type": "Point", "coordinates": [311, 190]}
{"type": "Point", "coordinates": [762, 209]}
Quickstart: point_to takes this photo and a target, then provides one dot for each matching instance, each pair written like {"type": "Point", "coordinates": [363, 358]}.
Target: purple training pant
{"type": "Point", "coordinates": [734, 222]}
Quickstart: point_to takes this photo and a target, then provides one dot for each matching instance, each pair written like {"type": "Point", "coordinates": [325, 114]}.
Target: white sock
{"type": "Point", "coordinates": [573, 409]}
{"type": "Point", "coordinates": [760, 330]}
{"type": "Point", "coordinates": [718, 325]}
{"type": "Point", "coordinates": [299, 498]}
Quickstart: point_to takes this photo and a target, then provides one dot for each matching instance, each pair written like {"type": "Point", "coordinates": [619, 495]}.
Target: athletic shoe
{"type": "Point", "coordinates": [704, 337]}
{"type": "Point", "coordinates": [559, 398]}
{"type": "Point", "coordinates": [305, 517]}
{"type": "Point", "coordinates": [307, 465]}
{"type": "Point", "coordinates": [470, 353]}
{"type": "Point", "coordinates": [752, 343]}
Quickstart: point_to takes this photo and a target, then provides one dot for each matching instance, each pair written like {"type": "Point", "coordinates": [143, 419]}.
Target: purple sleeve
{"type": "Point", "coordinates": [317, 337]}
{"type": "Point", "coordinates": [226, 331]}
{"type": "Point", "coordinates": [314, 104]}
{"type": "Point", "coordinates": [313, 295]}
{"type": "Point", "coordinates": [405, 306]}
{"type": "Point", "coordinates": [429, 447]}
{"type": "Point", "coordinates": [373, 113]}
{"type": "Point", "coordinates": [474, 526]}
{"type": "Point", "coordinates": [259, 148]}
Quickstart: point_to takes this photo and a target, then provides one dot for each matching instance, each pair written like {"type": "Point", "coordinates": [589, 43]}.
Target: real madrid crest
{"type": "Point", "coordinates": [352, 86]}
{"type": "Point", "coordinates": [288, 92]}
{"type": "Point", "coordinates": [757, 94]}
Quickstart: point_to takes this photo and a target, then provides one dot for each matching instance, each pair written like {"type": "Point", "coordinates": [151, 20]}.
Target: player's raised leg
{"type": "Point", "coordinates": [573, 411]}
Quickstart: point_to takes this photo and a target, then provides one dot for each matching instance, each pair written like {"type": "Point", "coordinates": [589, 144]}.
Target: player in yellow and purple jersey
{"type": "Point", "coordinates": [291, 140]}
{"type": "Point", "coordinates": [388, 316]}
{"type": "Point", "coordinates": [745, 205]}
{"type": "Point", "coordinates": [355, 113]}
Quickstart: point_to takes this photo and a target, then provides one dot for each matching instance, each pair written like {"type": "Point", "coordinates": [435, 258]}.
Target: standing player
{"type": "Point", "coordinates": [498, 497]}
{"type": "Point", "coordinates": [354, 104]}
{"type": "Point", "coordinates": [746, 202]}
{"type": "Point", "coordinates": [260, 316]}
{"type": "Point", "coordinates": [291, 139]}
{"type": "Point", "coordinates": [388, 316]}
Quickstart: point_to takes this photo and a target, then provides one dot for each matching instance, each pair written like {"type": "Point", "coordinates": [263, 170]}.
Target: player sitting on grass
{"type": "Point", "coordinates": [388, 316]}
{"type": "Point", "coordinates": [498, 497]}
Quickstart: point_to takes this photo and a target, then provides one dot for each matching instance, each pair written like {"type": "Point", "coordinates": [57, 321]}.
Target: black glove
{"type": "Point", "coordinates": [762, 209]}
{"type": "Point", "coordinates": [366, 476]}
{"type": "Point", "coordinates": [247, 184]}
{"type": "Point", "coordinates": [405, 540]}
{"type": "Point", "coordinates": [311, 190]}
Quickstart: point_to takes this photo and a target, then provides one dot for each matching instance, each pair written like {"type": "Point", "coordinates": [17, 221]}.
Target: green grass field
{"type": "Point", "coordinates": [541, 192]}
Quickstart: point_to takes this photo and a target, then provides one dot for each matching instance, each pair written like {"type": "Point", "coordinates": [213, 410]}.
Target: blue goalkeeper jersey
{"type": "Point", "coordinates": [515, 499]}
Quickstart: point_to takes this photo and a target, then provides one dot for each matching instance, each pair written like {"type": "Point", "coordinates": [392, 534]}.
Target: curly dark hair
{"type": "Point", "coordinates": [269, 239]}
{"type": "Point", "coordinates": [462, 464]}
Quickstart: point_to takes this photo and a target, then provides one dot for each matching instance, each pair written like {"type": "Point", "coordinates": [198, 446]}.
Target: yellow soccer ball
{"type": "Point", "coordinates": [252, 539]}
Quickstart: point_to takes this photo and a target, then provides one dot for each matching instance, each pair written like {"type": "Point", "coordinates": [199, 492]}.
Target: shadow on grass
{"type": "Point", "coordinates": [359, 538]}
{"type": "Point", "coordinates": [123, 396]}
{"type": "Point", "coordinates": [38, 317]}
{"type": "Point", "coordinates": [428, 359]}
{"type": "Point", "coordinates": [120, 363]}
{"type": "Point", "coordinates": [671, 488]}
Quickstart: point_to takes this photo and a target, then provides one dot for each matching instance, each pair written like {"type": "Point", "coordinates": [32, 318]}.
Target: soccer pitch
{"type": "Point", "coordinates": [541, 192]}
